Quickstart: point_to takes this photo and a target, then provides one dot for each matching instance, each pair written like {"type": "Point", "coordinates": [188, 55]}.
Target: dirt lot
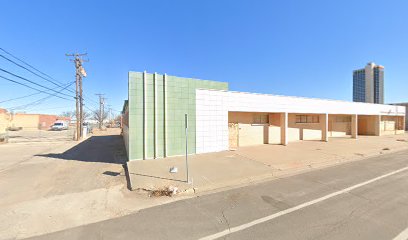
{"type": "Point", "coordinates": [53, 183]}
{"type": "Point", "coordinates": [23, 136]}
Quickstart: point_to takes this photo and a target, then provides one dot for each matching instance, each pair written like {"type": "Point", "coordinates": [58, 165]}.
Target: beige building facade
{"type": "Point", "coordinates": [405, 104]}
{"type": "Point", "coordinates": [4, 121]}
{"type": "Point", "coordinates": [27, 121]}
{"type": "Point", "coordinates": [253, 119]}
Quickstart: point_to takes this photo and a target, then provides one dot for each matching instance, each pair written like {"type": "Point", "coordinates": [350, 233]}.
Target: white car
{"type": "Point", "coordinates": [58, 126]}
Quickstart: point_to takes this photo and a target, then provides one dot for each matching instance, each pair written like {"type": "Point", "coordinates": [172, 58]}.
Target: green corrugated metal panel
{"type": "Point", "coordinates": [135, 115]}
{"type": "Point", "coordinates": [160, 115]}
{"type": "Point", "coordinates": [149, 117]}
{"type": "Point", "coordinates": [161, 131]}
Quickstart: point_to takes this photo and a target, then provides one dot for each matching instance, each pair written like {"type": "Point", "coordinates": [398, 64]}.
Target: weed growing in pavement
{"type": "Point", "coordinates": [163, 192]}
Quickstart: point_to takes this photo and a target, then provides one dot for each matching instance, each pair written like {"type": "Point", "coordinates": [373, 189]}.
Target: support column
{"type": "Point", "coordinates": [404, 123]}
{"type": "Point", "coordinates": [377, 125]}
{"type": "Point", "coordinates": [401, 122]}
{"type": "Point", "coordinates": [284, 128]}
{"type": "Point", "coordinates": [354, 126]}
{"type": "Point", "coordinates": [324, 121]}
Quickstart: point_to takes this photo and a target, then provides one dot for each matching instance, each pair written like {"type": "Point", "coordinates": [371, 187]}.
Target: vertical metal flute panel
{"type": "Point", "coordinates": [165, 115]}
{"type": "Point", "coordinates": [136, 111]}
{"type": "Point", "coordinates": [144, 115]}
{"type": "Point", "coordinates": [155, 113]}
{"type": "Point", "coordinates": [150, 117]}
{"type": "Point", "coordinates": [157, 106]}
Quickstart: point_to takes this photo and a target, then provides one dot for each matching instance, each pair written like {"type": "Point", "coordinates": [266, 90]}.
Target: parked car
{"type": "Point", "coordinates": [14, 128]}
{"type": "Point", "coordinates": [59, 125]}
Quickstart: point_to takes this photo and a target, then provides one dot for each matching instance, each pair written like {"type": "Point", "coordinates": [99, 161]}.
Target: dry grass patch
{"type": "Point", "coordinates": [163, 192]}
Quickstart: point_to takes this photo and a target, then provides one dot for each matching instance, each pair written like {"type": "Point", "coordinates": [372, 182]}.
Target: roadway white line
{"type": "Point", "coordinates": [298, 207]}
{"type": "Point", "coordinates": [402, 236]}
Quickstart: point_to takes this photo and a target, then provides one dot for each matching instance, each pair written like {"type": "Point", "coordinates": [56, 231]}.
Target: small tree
{"type": "Point", "coordinates": [86, 115]}
{"type": "Point", "coordinates": [100, 117]}
{"type": "Point", "coordinates": [68, 114]}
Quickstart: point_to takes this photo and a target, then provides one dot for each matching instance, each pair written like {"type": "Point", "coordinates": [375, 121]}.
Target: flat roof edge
{"type": "Point", "coordinates": [298, 97]}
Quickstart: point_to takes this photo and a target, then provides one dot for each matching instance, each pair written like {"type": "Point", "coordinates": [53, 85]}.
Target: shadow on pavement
{"type": "Point", "coordinates": [103, 149]}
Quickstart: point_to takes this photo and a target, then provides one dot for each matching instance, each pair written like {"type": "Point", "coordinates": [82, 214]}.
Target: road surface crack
{"type": "Point", "coordinates": [226, 221]}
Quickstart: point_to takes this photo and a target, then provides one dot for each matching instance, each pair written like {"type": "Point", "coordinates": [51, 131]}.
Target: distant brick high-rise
{"type": "Point", "coordinates": [368, 84]}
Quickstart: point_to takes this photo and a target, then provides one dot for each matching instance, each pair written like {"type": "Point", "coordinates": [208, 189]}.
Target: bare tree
{"type": "Point", "coordinates": [100, 117]}
{"type": "Point", "coordinates": [86, 115]}
{"type": "Point", "coordinates": [69, 114]}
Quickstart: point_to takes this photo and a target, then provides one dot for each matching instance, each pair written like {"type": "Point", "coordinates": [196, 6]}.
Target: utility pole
{"type": "Point", "coordinates": [79, 73]}
{"type": "Point", "coordinates": [101, 109]}
{"type": "Point", "coordinates": [110, 113]}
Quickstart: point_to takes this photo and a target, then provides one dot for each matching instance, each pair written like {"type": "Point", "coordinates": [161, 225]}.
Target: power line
{"type": "Point", "coordinates": [39, 101]}
{"type": "Point", "coordinates": [25, 79]}
{"type": "Point", "coordinates": [92, 110]}
{"type": "Point", "coordinates": [42, 109]}
{"type": "Point", "coordinates": [29, 65]}
{"type": "Point", "coordinates": [39, 71]}
{"type": "Point", "coordinates": [28, 86]}
{"type": "Point", "coordinates": [59, 85]}
{"type": "Point", "coordinates": [12, 99]}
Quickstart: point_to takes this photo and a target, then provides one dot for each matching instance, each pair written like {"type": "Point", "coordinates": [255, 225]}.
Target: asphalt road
{"type": "Point", "coordinates": [367, 199]}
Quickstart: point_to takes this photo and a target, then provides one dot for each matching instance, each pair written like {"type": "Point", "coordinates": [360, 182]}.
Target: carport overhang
{"type": "Point", "coordinates": [214, 114]}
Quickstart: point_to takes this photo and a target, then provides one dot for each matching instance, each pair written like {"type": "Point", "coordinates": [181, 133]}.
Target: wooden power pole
{"type": "Point", "coordinates": [79, 73]}
{"type": "Point", "coordinates": [101, 109]}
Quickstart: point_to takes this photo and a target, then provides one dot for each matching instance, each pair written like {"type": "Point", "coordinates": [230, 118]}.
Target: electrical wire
{"type": "Point", "coordinates": [37, 84]}
{"type": "Point", "coordinates": [59, 85]}
{"type": "Point", "coordinates": [12, 99]}
{"type": "Point", "coordinates": [28, 86]}
{"type": "Point", "coordinates": [39, 101]}
{"type": "Point", "coordinates": [42, 109]}
{"type": "Point", "coordinates": [29, 65]}
{"type": "Point", "coordinates": [36, 69]}
{"type": "Point", "coordinates": [39, 71]}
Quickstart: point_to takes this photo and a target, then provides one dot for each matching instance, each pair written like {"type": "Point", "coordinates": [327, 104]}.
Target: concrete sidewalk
{"type": "Point", "coordinates": [256, 163]}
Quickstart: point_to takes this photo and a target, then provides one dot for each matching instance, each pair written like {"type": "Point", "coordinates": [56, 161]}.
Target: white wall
{"type": "Point", "coordinates": [212, 108]}
{"type": "Point", "coordinates": [211, 121]}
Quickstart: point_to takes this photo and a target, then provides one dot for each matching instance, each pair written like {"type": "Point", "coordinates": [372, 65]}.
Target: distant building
{"type": "Point", "coordinates": [27, 121]}
{"type": "Point", "coordinates": [4, 121]}
{"type": "Point", "coordinates": [368, 84]}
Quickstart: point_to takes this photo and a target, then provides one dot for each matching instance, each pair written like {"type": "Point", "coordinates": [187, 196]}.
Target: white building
{"type": "Point", "coordinates": [154, 117]}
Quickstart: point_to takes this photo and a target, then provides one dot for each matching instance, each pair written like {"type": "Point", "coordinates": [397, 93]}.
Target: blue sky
{"type": "Point", "coordinates": [301, 48]}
